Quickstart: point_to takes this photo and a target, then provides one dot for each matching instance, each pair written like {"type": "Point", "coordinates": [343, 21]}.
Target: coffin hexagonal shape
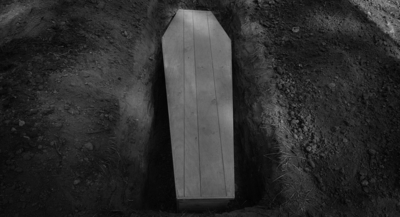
{"type": "Point", "coordinates": [198, 72]}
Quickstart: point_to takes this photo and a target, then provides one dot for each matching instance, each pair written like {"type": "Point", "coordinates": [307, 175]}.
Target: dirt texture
{"type": "Point", "coordinates": [84, 122]}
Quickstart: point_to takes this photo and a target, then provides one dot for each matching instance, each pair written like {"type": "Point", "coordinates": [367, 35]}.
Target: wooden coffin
{"type": "Point", "coordinates": [198, 72]}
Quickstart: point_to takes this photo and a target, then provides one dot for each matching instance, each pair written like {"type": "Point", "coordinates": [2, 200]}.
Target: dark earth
{"type": "Point", "coordinates": [83, 116]}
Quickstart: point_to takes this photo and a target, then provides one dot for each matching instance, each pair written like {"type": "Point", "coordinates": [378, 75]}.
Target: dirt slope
{"type": "Point", "coordinates": [83, 127]}
{"type": "Point", "coordinates": [74, 107]}
{"type": "Point", "coordinates": [339, 74]}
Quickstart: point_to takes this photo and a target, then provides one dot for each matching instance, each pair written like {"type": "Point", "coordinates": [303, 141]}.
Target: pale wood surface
{"type": "Point", "coordinates": [222, 62]}
{"type": "Point", "coordinates": [192, 167]}
{"type": "Point", "coordinates": [198, 69]}
{"type": "Point", "coordinates": [174, 71]}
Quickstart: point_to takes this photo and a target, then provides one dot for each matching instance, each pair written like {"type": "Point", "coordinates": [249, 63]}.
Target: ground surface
{"type": "Point", "coordinates": [78, 92]}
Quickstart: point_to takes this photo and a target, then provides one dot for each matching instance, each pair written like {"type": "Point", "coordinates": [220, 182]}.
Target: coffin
{"type": "Point", "coordinates": [198, 74]}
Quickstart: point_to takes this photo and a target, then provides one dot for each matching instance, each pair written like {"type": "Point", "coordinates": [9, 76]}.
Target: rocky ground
{"type": "Point", "coordinates": [338, 70]}
{"type": "Point", "coordinates": [79, 111]}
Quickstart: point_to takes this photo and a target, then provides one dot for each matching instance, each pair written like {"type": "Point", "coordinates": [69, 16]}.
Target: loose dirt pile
{"type": "Point", "coordinates": [83, 124]}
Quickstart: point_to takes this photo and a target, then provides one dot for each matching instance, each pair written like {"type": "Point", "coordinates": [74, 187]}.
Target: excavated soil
{"type": "Point", "coordinates": [84, 121]}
